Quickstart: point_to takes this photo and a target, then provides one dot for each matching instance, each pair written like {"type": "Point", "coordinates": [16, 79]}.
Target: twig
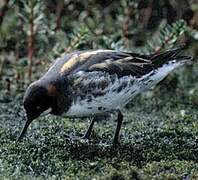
{"type": "Point", "coordinates": [31, 42]}
{"type": "Point", "coordinates": [3, 10]}
{"type": "Point", "coordinates": [59, 9]}
{"type": "Point", "coordinates": [125, 27]}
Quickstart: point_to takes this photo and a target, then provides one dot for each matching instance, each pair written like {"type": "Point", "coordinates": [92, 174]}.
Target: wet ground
{"type": "Point", "coordinates": [159, 140]}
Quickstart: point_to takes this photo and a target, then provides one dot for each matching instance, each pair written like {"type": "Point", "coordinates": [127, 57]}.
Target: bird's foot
{"type": "Point", "coordinates": [86, 136]}
{"type": "Point", "coordinates": [115, 144]}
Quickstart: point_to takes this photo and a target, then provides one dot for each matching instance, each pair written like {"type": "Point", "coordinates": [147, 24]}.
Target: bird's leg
{"type": "Point", "coordinates": [119, 124]}
{"type": "Point", "coordinates": [88, 132]}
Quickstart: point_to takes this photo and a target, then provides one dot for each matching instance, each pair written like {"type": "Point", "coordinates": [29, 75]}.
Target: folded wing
{"type": "Point", "coordinates": [119, 63]}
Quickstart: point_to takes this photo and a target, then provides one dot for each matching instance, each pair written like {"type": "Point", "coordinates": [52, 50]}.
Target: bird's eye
{"type": "Point", "coordinates": [38, 107]}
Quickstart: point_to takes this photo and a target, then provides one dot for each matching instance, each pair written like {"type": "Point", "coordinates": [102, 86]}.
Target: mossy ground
{"type": "Point", "coordinates": [159, 140]}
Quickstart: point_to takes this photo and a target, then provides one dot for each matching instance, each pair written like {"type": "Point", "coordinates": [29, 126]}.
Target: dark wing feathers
{"type": "Point", "coordinates": [162, 57]}
{"type": "Point", "coordinates": [120, 63]}
{"type": "Point", "coordinates": [134, 64]}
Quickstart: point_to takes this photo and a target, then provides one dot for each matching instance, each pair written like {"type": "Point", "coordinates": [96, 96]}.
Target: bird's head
{"type": "Point", "coordinates": [42, 99]}
{"type": "Point", "coordinates": [36, 101]}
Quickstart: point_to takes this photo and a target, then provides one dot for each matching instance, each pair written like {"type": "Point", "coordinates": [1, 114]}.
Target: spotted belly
{"type": "Point", "coordinates": [108, 94]}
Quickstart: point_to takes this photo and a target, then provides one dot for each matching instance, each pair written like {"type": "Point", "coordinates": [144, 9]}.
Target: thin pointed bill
{"type": "Point", "coordinates": [24, 130]}
{"type": "Point", "coordinates": [27, 123]}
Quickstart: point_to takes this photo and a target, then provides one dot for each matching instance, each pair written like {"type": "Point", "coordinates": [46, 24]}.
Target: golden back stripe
{"type": "Point", "coordinates": [79, 58]}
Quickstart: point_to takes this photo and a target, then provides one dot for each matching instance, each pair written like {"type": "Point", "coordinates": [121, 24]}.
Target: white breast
{"type": "Point", "coordinates": [117, 95]}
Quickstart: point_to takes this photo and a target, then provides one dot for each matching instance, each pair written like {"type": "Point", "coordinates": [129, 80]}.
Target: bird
{"type": "Point", "coordinates": [95, 83]}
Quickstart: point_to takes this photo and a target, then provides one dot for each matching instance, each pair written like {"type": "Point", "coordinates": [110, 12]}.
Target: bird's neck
{"type": "Point", "coordinates": [58, 89]}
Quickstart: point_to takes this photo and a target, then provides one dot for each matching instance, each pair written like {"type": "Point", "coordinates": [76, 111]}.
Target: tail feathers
{"type": "Point", "coordinates": [184, 58]}
{"type": "Point", "coordinates": [159, 59]}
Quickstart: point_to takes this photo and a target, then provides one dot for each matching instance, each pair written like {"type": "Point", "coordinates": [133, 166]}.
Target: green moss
{"type": "Point", "coordinates": [174, 169]}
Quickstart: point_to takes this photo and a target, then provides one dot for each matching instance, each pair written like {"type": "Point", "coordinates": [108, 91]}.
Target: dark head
{"type": "Point", "coordinates": [36, 101]}
{"type": "Point", "coordinates": [40, 98]}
